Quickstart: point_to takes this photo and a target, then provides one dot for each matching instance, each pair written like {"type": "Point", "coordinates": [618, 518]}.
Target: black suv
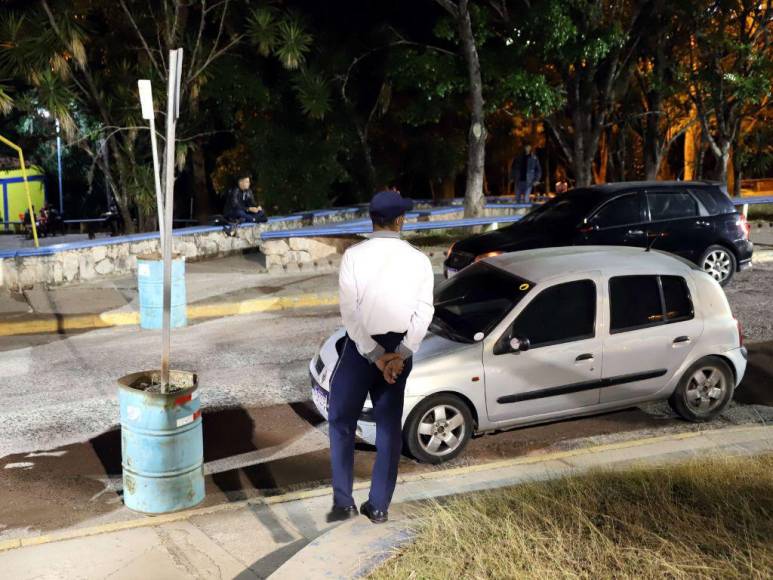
{"type": "Point", "coordinates": [695, 220]}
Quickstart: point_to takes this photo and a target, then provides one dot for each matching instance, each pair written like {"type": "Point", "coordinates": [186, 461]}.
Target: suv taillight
{"type": "Point", "coordinates": [740, 332]}
{"type": "Point", "coordinates": [745, 225]}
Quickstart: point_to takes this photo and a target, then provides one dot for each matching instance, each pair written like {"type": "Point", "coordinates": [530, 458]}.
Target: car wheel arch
{"type": "Point", "coordinates": [465, 399]}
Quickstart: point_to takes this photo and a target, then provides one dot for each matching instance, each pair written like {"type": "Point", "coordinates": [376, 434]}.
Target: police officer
{"type": "Point", "coordinates": [386, 290]}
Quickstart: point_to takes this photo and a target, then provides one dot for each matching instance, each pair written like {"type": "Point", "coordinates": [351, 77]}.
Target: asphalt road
{"type": "Point", "coordinates": [60, 444]}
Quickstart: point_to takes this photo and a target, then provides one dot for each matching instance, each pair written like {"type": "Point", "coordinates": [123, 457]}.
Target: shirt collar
{"type": "Point", "coordinates": [384, 234]}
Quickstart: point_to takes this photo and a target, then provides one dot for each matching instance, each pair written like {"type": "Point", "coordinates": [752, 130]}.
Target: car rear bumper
{"type": "Point", "coordinates": [738, 357]}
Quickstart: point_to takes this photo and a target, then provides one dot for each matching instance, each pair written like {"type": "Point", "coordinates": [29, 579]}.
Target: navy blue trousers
{"type": "Point", "coordinates": [353, 378]}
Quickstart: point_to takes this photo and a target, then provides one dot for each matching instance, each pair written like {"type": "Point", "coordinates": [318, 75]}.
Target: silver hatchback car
{"type": "Point", "coordinates": [540, 335]}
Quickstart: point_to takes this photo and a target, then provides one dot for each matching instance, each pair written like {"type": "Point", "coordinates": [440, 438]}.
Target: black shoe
{"type": "Point", "coordinates": [340, 514]}
{"type": "Point", "coordinates": [374, 515]}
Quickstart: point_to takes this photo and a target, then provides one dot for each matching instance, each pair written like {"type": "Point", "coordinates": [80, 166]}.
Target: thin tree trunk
{"type": "Point", "coordinates": [476, 144]}
{"type": "Point", "coordinates": [201, 199]}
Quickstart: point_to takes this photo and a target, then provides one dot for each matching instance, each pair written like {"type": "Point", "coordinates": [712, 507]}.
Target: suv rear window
{"type": "Point", "coordinates": [715, 200]}
{"type": "Point", "coordinates": [637, 301]}
{"type": "Point", "coordinates": [669, 205]}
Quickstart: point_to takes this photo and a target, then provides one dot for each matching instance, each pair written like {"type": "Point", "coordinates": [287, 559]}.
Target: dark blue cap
{"type": "Point", "coordinates": [389, 204]}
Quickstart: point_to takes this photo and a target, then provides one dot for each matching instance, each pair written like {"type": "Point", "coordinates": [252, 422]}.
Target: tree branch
{"type": "Point", "coordinates": [142, 38]}
{"type": "Point", "coordinates": [449, 7]}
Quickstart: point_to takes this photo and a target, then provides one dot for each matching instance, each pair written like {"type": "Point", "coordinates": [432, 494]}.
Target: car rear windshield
{"type": "Point", "coordinates": [569, 207]}
{"type": "Point", "coordinates": [715, 200]}
{"type": "Point", "coordinates": [475, 301]}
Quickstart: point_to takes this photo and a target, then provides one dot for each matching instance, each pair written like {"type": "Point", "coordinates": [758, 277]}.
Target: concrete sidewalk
{"type": "Point", "coordinates": [287, 536]}
{"type": "Point", "coordinates": [217, 288]}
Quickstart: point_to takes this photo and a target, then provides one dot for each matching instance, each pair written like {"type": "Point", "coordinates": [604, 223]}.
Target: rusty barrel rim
{"type": "Point", "coordinates": [127, 383]}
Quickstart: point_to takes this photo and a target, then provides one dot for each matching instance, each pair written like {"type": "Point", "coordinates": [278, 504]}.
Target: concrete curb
{"type": "Point", "coordinates": [62, 323]}
{"type": "Point", "coordinates": [757, 433]}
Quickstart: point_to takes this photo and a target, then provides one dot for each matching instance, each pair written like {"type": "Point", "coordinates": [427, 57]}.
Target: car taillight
{"type": "Point", "coordinates": [740, 332]}
{"type": "Point", "coordinates": [745, 225]}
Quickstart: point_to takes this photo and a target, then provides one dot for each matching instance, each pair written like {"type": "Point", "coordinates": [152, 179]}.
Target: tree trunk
{"type": "Point", "coordinates": [201, 201]}
{"type": "Point", "coordinates": [448, 187]}
{"type": "Point", "coordinates": [723, 159]}
{"type": "Point", "coordinates": [121, 187]}
{"type": "Point", "coordinates": [600, 172]}
{"type": "Point", "coordinates": [476, 139]}
{"type": "Point", "coordinates": [652, 147]}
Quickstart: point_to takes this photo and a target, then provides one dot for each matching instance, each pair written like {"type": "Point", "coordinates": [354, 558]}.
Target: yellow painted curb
{"type": "Point", "coordinates": [151, 521]}
{"type": "Point", "coordinates": [60, 324]}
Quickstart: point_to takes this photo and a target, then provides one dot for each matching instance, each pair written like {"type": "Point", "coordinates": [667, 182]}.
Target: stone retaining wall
{"type": "Point", "coordinates": [291, 255]}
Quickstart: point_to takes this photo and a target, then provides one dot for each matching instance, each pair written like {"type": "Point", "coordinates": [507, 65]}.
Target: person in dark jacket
{"type": "Point", "coordinates": [525, 173]}
{"type": "Point", "coordinates": [240, 205]}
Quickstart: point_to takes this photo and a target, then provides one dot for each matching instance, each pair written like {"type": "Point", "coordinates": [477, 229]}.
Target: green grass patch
{"type": "Point", "coordinates": [709, 518]}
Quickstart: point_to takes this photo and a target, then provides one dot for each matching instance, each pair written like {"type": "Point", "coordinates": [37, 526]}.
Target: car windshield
{"type": "Point", "coordinates": [475, 301]}
{"type": "Point", "coordinates": [569, 207]}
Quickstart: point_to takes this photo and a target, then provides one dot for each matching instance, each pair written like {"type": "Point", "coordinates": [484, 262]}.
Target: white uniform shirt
{"type": "Point", "coordinates": [386, 285]}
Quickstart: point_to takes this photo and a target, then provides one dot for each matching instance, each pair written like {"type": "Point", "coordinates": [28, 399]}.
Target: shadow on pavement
{"type": "Point", "coordinates": [757, 385]}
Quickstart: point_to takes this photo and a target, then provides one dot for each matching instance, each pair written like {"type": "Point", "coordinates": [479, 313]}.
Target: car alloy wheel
{"type": "Point", "coordinates": [719, 264]}
{"type": "Point", "coordinates": [441, 430]}
{"type": "Point", "coordinates": [706, 390]}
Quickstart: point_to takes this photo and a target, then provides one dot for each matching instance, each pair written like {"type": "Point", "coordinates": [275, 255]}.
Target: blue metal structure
{"type": "Point", "coordinates": [150, 282]}
{"type": "Point", "coordinates": [161, 443]}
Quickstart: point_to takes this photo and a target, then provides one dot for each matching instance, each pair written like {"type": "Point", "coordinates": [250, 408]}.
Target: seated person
{"type": "Point", "coordinates": [240, 205]}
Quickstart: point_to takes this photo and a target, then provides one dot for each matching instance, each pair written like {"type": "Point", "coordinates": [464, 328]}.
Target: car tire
{"type": "Point", "coordinates": [704, 390]}
{"type": "Point", "coordinates": [719, 262]}
{"type": "Point", "coordinates": [438, 429]}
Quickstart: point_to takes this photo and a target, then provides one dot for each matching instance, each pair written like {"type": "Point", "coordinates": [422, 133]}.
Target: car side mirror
{"type": "Point", "coordinates": [519, 344]}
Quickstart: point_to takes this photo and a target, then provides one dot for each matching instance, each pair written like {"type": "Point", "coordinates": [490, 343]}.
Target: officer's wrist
{"type": "Point", "coordinates": [375, 354]}
{"type": "Point", "coordinates": [404, 351]}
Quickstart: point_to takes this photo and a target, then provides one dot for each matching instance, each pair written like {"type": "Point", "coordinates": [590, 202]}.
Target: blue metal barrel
{"type": "Point", "coordinates": [162, 448]}
{"type": "Point", "coordinates": [150, 280]}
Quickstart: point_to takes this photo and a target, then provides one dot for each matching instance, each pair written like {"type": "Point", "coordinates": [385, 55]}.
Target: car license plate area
{"type": "Point", "coordinates": [320, 398]}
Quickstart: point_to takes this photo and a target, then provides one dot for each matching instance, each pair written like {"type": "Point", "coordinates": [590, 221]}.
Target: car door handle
{"type": "Point", "coordinates": [681, 339]}
{"type": "Point", "coordinates": [635, 232]}
{"type": "Point", "coordinates": [582, 357]}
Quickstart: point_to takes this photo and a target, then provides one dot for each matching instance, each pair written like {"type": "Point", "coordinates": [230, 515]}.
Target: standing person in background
{"type": "Point", "coordinates": [525, 173]}
{"type": "Point", "coordinates": [240, 205]}
{"type": "Point", "coordinates": [386, 297]}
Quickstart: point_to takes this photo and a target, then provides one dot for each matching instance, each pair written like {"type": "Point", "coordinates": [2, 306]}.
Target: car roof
{"type": "Point", "coordinates": [545, 263]}
{"type": "Point", "coordinates": [612, 188]}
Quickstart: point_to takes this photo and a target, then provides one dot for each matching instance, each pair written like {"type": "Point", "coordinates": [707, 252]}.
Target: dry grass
{"type": "Point", "coordinates": [703, 519]}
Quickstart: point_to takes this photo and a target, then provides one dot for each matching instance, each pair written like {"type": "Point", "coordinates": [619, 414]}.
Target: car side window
{"type": "Point", "coordinates": [621, 211]}
{"type": "Point", "coordinates": [676, 295]}
{"type": "Point", "coordinates": [634, 303]}
{"type": "Point", "coordinates": [669, 205]}
{"type": "Point", "coordinates": [637, 302]}
{"type": "Point", "coordinates": [561, 313]}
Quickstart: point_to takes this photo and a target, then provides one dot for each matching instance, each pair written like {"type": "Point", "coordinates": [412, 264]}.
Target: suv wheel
{"type": "Point", "coordinates": [438, 429]}
{"type": "Point", "coordinates": [719, 263]}
{"type": "Point", "coordinates": [704, 390]}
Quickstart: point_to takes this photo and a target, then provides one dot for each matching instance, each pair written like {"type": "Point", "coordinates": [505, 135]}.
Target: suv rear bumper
{"type": "Point", "coordinates": [744, 251]}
